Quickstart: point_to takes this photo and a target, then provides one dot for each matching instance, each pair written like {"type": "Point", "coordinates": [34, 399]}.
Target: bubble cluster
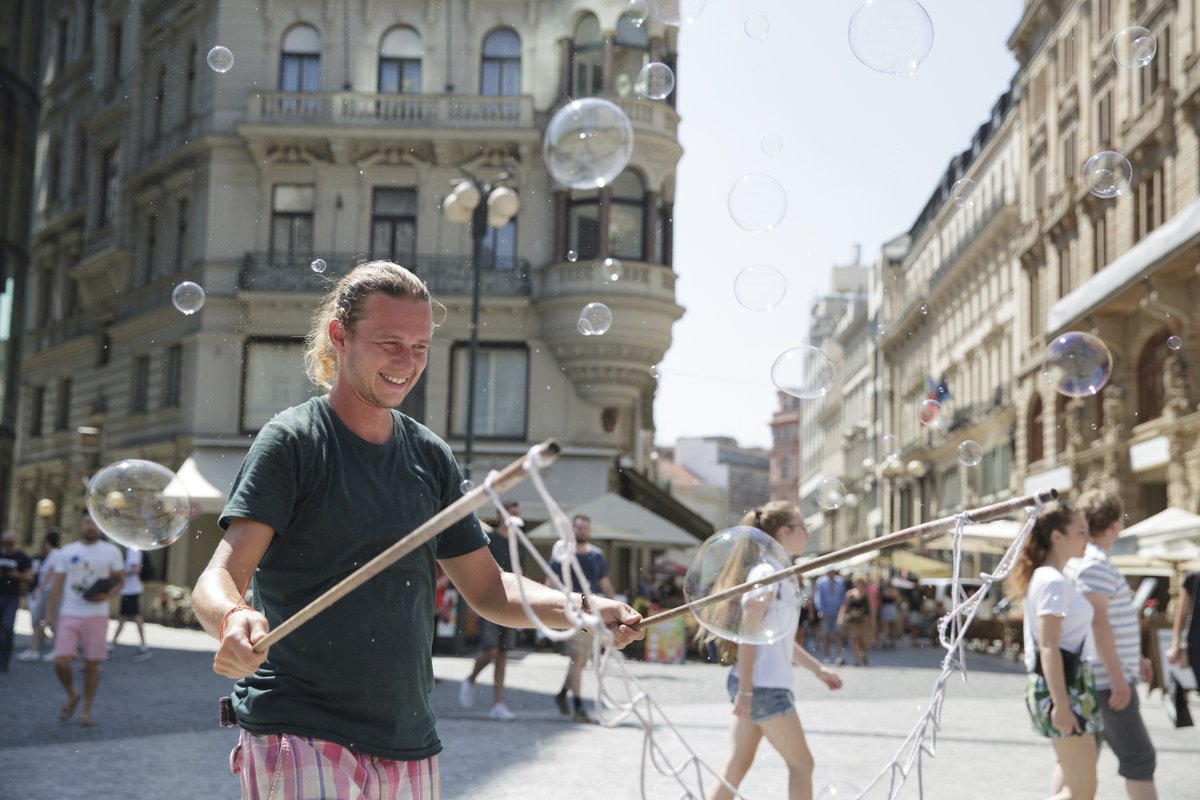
{"type": "Point", "coordinates": [929, 414]}
{"type": "Point", "coordinates": [732, 557]}
{"type": "Point", "coordinates": [655, 81]}
{"type": "Point", "coordinates": [891, 36]}
{"type": "Point", "coordinates": [318, 265]}
{"type": "Point", "coordinates": [962, 193]}
{"type": "Point", "coordinates": [220, 59]}
{"type": "Point", "coordinates": [588, 143]}
{"type": "Point", "coordinates": [595, 319]}
{"type": "Point", "coordinates": [804, 372]}
{"type": "Point", "coordinates": [757, 202]}
{"type": "Point", "coordinates": [128, 500]}
{"type": "Point", "coordinates": [759, 287]}
{"type": "Point", "coordinates": [188, 297]}
{"type": "Point", "coordinates": [1107, 174]}
{"type": "Point", "coordinates": [757, 27]}
{"type": "Point", "coordinates": [1077, 364]}
{"type": "Point", "coordinates": [1134, 47]}
{"type": "Point", "coordinates": [970, 453]}
{"type": "Point", "coordinates": [831, 493]}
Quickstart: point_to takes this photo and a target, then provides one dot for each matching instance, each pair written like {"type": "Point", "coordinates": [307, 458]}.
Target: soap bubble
{"type": "Point", "coordinates": [220, 59]}
{"type": "Point", "coordinates": [188, 297]}
{"type": "Point", "coordinates": [127, 501]}
{"type": "Point", "coordinates": [588, 143]}
{"type": "Point", "coordinates": [924, 309]}
{"type": "Point", "coordinates": [595, 319]}
{"type": "Point", "coordinates": [772, 145]}
{"type": "Point", "coordinates": [1134, 47]}
{"type": "Point", "coordinates": [612, 269]}
{"type": "Point", "coordinates": [1174, 342]}
{"type": "Point", "coordinates": [757, 26]}
{"type": "Point", "coordinates": [735, 556]}
{"type": "Point", "coordinates": [656, 371]}
{"type": "Point", "coordinates": [889, 446]}
{"type": "Point", "coordinates": [970, 453]}
{"type": "Point", "coordinates": [677, 12]}
{"type": "Point", "coordinates": [839, 790]}
{"type": "Point", "coordinates": [655, 81]}
{"type": "Point", "coordinates": [891, 36]}
{"type": "Point", "coordinates": [757, 202]}
{"type": "Point", "coordinates": [466, 486]}
{"type": "Point", "coordinates": [637, 11]}
{"type": "Point", "coordinates": [963, 193]}
{"type": "Point", "coordinates": [318, 265]}
{"type": "Point", "coordinates": [1077, 364]}
{"type": "Point", "coordinates": [1107, 174]}
{"type": "Point", "coordinates": [831, 493]}
{"type": "Point", "coordinates": [930, 414]}
{"type": "Point", "coordinates": [759, 287]}
{"type": "Point", "coordinates": [804, 372]}
{"type": "Point", "coordinates": [572, 256]}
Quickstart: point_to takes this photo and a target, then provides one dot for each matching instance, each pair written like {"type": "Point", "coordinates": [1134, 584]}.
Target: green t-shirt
{"type": "Point", "coordinates": [360, 673]}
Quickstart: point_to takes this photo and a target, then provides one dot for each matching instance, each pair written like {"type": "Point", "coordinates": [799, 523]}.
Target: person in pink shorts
{"type": "Point", "coordinates": [78, 611]}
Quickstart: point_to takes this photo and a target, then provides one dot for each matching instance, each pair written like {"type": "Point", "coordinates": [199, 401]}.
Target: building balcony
{"type": "Point", "coordinates": [370, 110]}
{"type": "Point", "coordinates": [1153, 125]}
{"type": "Point", "coordinates": [1189, 93]}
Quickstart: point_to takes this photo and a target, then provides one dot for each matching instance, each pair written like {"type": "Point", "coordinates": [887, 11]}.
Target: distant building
{"type": "Point", "coordinates": [741, 473]}
{"type": "Point", "coordinates": [786, 451]}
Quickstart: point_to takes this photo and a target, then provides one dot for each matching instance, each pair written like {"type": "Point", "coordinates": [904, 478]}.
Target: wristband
{"type": "Point", "coordinates": [221, 625]}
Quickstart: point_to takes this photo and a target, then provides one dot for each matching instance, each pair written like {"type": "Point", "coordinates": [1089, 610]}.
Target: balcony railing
{"type": "Point", "coordinates": [266, 271]}
{"type": "Point", "coordinates": [406, 110]}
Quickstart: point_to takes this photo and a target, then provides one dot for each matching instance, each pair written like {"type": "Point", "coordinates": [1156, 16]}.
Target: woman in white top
{"type": "Point", "coordinates": [1060, 691]}
{"type": "Point", "coordinates": [760, 684]}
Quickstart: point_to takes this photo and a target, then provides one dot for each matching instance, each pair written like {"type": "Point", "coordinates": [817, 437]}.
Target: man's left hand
{"type": "Point", "coordinates": [618, 618]}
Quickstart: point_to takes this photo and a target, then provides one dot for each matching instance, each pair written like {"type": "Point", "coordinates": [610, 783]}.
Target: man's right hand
{"type": "Point", "coordinates": [235, 656]}
{"type": "Point", "coordinates": [1119, 693]}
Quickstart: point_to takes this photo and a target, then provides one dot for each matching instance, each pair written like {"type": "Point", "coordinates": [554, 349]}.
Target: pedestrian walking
{"type": "Point", "coordinates": [39, 598]}
{"type": "Point", "coordinates": [16, 572]}
{"type": "Point", "coordinates": [1184, 651]}
{"type": "Point", "coordinates": [830, 594]}
{"type": "Point", "coordinates": [130, 609]}
{"type": "Point", "coordinates": [857, 618]}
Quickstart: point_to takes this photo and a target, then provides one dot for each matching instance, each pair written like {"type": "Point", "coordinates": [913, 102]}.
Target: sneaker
{"type": "Point", "coordinates": [142, 654]}
{"type": "Point", "coordinates": [48, 655]}
{"type": "Point", "coordinates": [110, 647]}
{"type": "Point", "coordinates": [466, 694]}
{"type": "Point", "coordinates": [501, 712]}
{"type": "Point", "coordinates": [560, 700]}
{"type": "Point", "coordinates": [29, 655]}
{"type": "Point", "coordinates": [581, 715]}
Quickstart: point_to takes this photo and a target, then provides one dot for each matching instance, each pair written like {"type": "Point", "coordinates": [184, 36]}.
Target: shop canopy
{"type": "Point", "coordinates": [619, 520]}
{"type": "Point", "coordinates": [1172, 524]}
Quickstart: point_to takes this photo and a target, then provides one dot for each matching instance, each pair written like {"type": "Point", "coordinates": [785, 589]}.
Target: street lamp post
{"type": "Point", "coordinates": [486, 204]}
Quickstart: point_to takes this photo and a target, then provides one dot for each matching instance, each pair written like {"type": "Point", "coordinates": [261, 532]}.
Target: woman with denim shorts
{"type": "Point", "coordinates": [760, 683]}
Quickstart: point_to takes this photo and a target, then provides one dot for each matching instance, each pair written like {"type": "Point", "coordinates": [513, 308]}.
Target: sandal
{"type": "Point", "coordinates": [66, 711]}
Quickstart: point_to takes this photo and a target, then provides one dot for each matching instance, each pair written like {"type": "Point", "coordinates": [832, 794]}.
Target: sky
{"type": "Point", "coordinates": [861, 153]}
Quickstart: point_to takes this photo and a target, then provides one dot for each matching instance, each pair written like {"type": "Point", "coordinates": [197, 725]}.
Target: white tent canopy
{"type": "Point", "coordinates": [1172, 524]}
{"type": "Point", "coordinates": [206, 477]}
{"type": "Point", "coordinates": [616, 519]}
{"type": "Point", "coordinates": [980, 537]}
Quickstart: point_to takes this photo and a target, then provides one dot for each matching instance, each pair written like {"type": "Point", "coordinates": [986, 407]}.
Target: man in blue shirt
{"type": "Point", "coordinates": [830, 592]}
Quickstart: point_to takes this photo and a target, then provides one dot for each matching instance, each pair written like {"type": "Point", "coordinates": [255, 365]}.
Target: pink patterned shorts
{"type": "Point", "coordinates": [282, 766]}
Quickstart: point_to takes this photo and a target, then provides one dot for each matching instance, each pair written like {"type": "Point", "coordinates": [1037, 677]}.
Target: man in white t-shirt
{"type": "Point", "coordinates": [39, 600]}
{"type": "Point", "coordinates": [87, 575]}
{"type": "Point", "coordinates": [131, 603]}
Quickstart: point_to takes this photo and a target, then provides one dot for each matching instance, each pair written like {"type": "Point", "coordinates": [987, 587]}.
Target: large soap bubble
{"type": "Point", "coordinates": [188, 297]}
{"type": "Point", "coordinates": [757, 202]}
{"type": "Point", "coordinates": [1077, 364]}
{"type": "Point", "coordinates": [595, 319]}
{"type": "Point", "coordinates": [1107, 174]}
{"type": "Point", "coordinates": [732, 557]}
{"type": "Point", "coordinates": [760, 287]}
{"type": "Point", "coordinates": [677, 12]}
{"type": "Point", "coordinates": [804, 372]}
{"type": "Point", "coordinates": [891, 36]}
{"type": "Point", "coordinates": [220, 59]}
{"type": "Point", "coordinates": [128, 501]}
{"type": "Point", "coordinates": [1134, 47]}
{"type": "Point", "coordinates": [588, 143]}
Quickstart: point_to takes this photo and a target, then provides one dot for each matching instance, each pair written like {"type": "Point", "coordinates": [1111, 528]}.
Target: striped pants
{"type": "Point", "coordinates": [283, 766]}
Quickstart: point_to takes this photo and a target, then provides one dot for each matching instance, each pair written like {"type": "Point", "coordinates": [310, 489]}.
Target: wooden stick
{"type": "Point", "coordinates": [508, 477]}
{"type": "Point", "coordinates": [890, 540]}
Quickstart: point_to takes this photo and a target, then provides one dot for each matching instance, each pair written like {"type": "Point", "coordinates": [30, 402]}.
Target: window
{"type": "Point", "coordinates": [300, 64]}
{"type": "Point", "coordinates": [273, 379]}
{"type": "Point", "coordinates": [181, 233]}
{"type": "Point", "coordinates": [37, 404]}
{"type": "Point", "coordinates": [587, 58]}
{"type": "Point", "coordinates": [151, 248]}
{"type": "Point", "coordinates": [189, 81]}
{"type": "Point", "coordinates": [501, 390]}
{"type": "Point", "coordinates": [1037, 94]}
{"type": "Point", "coordinates": [1035, 301]}
{"type": "Point", "coordinates": [173, 383]}
{"type": "Point", "coordinates": [400, 62]}
{"type": "Point", "coordinates": [1099, 241]}
{"type": "Point", "coordinates": [631, 52]}
{"type": "Point", "coordinates": [500, 246]}
{"type": "Point", "coordinates": [159, 101]}
{"type": "Point", "coordinates": [1070, 156]}
{"type": "Point", "coordinates": [1150, 377]}
{"type": "Point", "coordinates": [583, 223]}
{"type": "Point", "coordinates": [500, 75]}
{"type": "Point", "coordinates": [291, 223]}
{"type": "Point", "coordinates": [1158, 71]}
{"type": "Point", "coordinates": [81, 160]}
{"type": "Point", "coordinates": [394, 226]}
{"type": "Point", "coordinates": [62, 42]}
{"type": "Point", "coordinates": [62, 405]}
{"type": "Point", "coordinates": [1066, 56]}
{"type": "Point", "coordinates": [951, 488]}
{"type": "Point", "coordinates": [1104, 17]}
{"type": "Point", "coordinates": [110, 163]}
{"type": "Point", "coordinates": [1150, 207]}
{"type": "Point", "coordinates": [1066, 270]}
{"type": "Point", "coordinates": [1035, 432]}
{"type": "Point", "coordinates": [114, 53]}
{"type": "Point", "coordinates": [627, 217]}
{"type": "Point", "coordinates": [139, 402]}
{"type": "Point", "coordinates": [45, 297]}
{"type": "Point", "coordinates": [1039, 188]}
{"type": "Point", "coordinates": [1104, 120]}
{"type": "Point", "coordinates": [54, 157]}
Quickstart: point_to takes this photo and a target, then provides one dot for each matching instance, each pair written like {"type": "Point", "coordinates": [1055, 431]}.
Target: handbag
{"type": "Point", "coordinates": [1070, 665]}
{"type": "Point", "coordinates": [101, 586]}
{"type": "Point", "coordinates": [1177, 706]}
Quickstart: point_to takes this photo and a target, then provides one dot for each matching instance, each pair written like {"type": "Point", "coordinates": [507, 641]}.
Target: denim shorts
{"type": "Point", "coordinates": [768, 701]}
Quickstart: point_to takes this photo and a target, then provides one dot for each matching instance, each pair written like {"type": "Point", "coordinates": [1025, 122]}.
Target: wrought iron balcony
{"type": "Point", "coordinates": [267, 271]}
{"type": "Point", "coordinates": [390, 110]}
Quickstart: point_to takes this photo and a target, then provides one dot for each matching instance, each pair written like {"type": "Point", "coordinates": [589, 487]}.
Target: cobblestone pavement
{"type": "Point", "coordinates": [156, 734]}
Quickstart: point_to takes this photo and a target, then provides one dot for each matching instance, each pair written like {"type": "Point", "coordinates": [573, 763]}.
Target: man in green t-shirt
{"type": "Point", "coordinates": [327, 486]}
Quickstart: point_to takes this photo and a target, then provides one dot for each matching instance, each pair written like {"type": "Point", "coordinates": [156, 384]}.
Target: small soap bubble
{"type": "Point", "coordinates": [760, 287]}
{"type": "Point", "coordinates": [572, 256]}
{"type": "Point", "coordinates": [839, 790]}
{"type": "Point", "coordinates": [727, 559]}
{"type": "Point", "coordinates": [924, 310]}
{"type": "Point", "coordinates": [963, 193]}
{"type": "Point", "coordinates": [757, 202]}
{"type": "Point", "coordinates": [1174, 342]}
{"type": "Point", "coordinates": [677, 12]}
{"type": "Point", "coordinates": [1056, 601]}
{"type": "Point", "coordinates": [188, 297]}
{"type": "Point", "coordinates": [613, 269]}
{"type": "Point", "coordinates": [318, 265]}
{"type": "Point", "coordinates": [889, 446]}
{"type": "Point", "coordinates": [588, 143]}
{"type": "Point", "coordinates": [970, 453]}
{"type": "Point", "coordinates": [595, 319]}
{"type": "Point", "coordinates": [772, 145]}
{"type": "Point", "coordinates": [1134, 47]}
{"type": "Point", "coordinates": [656, 371]}
{"type": "Point", "coordinates": [757, 27]}
{"type": "Point", "coordinates": [891, 36]}
{"type": "Point", "coordinates": [930, 414]}
{"type": "Point", "coordinates": [466, 486]}
{"type": "Point", "coordinates": [804, 372]}
{"type": "Point", "coordinates": [139, 504]}
{"type": "Point", "coordinates": [831, 493]}
{"type": "Point", "coordinates": [655, 81]}
{"type": "Point", "coordinates": [1107, 174]}
{"type": "Point", "coordinates": [1077, 364]}
{"type": "Point", "coordinates": [220, 59]}
{"type": "Point", "coordinates": [637, 11]}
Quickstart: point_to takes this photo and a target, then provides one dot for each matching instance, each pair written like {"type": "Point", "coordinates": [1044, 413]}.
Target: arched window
{"type": "Point", "coordinates": [587, 58]}
{"type": "Point", "coordinates": [500, 75]}
{"type": "Point", "coordinates": [1034, 430]}
{"type": "Point", "coordinates": [627, 216]}
{"type": "Point", "coordinates": [631, 52]}
{"type": "Point", "coordinates": [300, 63]}
{"type": "Point", "coordinates": [400, 62]}
{"type": "Point", "coordinates": [1150, 377]}
{"type": "Point", "coordinates": [583, 223]}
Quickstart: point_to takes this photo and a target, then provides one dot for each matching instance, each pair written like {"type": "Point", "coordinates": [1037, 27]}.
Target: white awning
{"type": "Point", "coordinates": [1169, 521]}
{"type": "Point", "coordinates": [1180, 231]}
{"type": "Point", "coordinates": [206, 477]}
{"type": "Point", "coordinates": [616, 519]}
